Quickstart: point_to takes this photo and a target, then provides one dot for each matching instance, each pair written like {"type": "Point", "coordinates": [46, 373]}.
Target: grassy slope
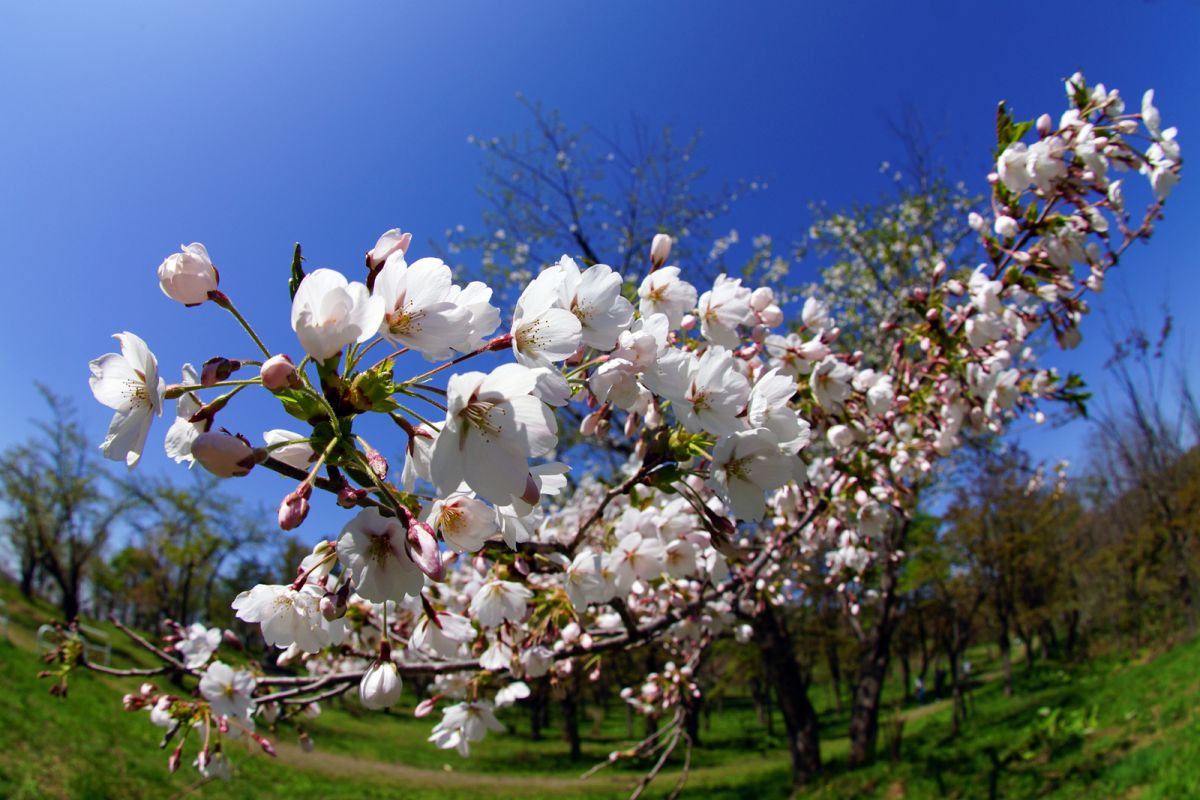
{"type": "Point", "coordinates": [1146, 744]}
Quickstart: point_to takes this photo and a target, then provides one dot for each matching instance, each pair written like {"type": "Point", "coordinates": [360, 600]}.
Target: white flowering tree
{"type": "Point", "coordinates": [483, 563]}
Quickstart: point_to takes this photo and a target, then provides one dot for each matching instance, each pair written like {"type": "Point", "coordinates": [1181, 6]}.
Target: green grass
{"type": "Point", "coordinates": [1145, 743]}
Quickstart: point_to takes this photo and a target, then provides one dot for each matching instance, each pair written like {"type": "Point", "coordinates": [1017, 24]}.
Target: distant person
{"type": "Point", "coordinates": [920, 686]}
{"type": "Point", "coordinates": [966, 671]}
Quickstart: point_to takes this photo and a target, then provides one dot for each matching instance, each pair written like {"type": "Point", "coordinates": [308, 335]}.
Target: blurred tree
{"type": "Point", "coordinates": [59, 517]}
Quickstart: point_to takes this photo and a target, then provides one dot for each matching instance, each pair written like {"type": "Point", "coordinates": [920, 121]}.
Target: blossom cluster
{"type": "Point", "coordinates": [752, 446]}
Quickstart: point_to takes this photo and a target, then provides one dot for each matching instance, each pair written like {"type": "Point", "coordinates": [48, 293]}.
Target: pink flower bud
{"type": "Point", "coordinates": [218, 369]}
{"type": "Point", "coordinates": [688, 322]}
{"type": "Point", "coordinates": [771, 316]}
{"type": "Point", "coordinates": [263, 741]}
{"type": "Point", "coordinates": [1044, 126]}
{"type": "Point", "coordinates": [176, 755]}
{"type": "Point", "coordinates": [660, 250]}
{"type": "Point", "coordinates": [761, 297]}
{"type": "Point", "coordinates": [533, 492]}
{"type": "Point", "coordinates": [348, 496]}
{"type": "Point", "coordinates": [392, 241]}
{"type": "Point", "coordinates": [294, 507]}
{"type": "Point", "coordinates": [333, 605]}
{"type": "Point", "coordinates": [423, 550]}
{"type": "Point", "coordinates": [278, 372]}
{"type": "Point", "coordinates": [377, 462]}
{"type": "Point", "coordinates": [426, 707]}
{"type": "Point", "coordinates": [588, 426]}
{"type": "Point", "coordinates": [187, 277]}
{"type": "Point", "coordinates": [631, 424]}
{"type": "Point", "coordinates": [146, 689]}
{"type": "Point", "coordinates": [223, 454]}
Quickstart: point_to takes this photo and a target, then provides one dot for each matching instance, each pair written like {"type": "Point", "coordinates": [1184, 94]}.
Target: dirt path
{"type": "Point", "coordinates": [340, 764]}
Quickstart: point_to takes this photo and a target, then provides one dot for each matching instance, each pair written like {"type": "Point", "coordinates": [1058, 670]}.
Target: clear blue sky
{"type": "Point", "coordinates": [128, 129]}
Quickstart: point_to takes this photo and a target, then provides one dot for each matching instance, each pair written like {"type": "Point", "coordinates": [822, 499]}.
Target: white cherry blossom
{"type": "Point", "coordinates": [373, 548]}
{"type": "Point", "coordinates": [493, 426]}
{"type": "Point", "coordinates": [329, 312]}
{"type": "Point", "coordinates": [128, 383]}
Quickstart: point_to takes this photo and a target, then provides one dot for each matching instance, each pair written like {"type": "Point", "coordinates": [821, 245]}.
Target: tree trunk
{"type": "Point", "coordinates": [570, 715]}
{"type": "Point", "coordinates": [835, 671]}
{"type": "Point", "coordinates": [28, 574]}
{"type": "Point", "coordinates": [799, 717]}
{"type": "Point", "coordinates": [1005, 645]}
{"type": "Point", "coordinates": [537, 699]}
{"type": "Point", "coordinates": [872, 670]}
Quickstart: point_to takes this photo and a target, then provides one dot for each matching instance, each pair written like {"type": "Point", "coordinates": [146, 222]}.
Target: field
{"type": "Point", "coordinates": [1112, 729]}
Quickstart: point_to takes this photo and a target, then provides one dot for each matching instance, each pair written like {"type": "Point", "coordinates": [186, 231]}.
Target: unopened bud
{"type": "Point", "coordinates": [392, 241]}
{"type": "Point", "coordinates": [426, 707]}
{"type": "Point", "coordinates": [423, 550]}
{"type": "Point", "coordinates": [377, 462]}
{"type": "Point", "coordinates": [660, 250]}
{"type": "Point", "coordinates": [349, 497]}
{"type": "Point", "coordinates": [294, 507]}
{"type": "Point", "coordinates": [218, 369]}
{"type": "Point", "coordinates": [332, 607]}
{"type": "Point", "coordinates": [533, 492]}
{"type": "Point", "coordinates": [278, 372]}
{"type": "Point", "coordinates": [223, 454]}
{"type": "Point", "coordinates": [1045, 126]}
{"type": "Point", "coordinates": [176, 756]}
{"type": "Point", "coordinates": [688, 322]}
{"type": "Point", "coordinates": [263, 741]}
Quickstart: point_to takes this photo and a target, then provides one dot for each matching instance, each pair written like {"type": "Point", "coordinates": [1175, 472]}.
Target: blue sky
{"type": "Point", "coordinates": [131, 128]}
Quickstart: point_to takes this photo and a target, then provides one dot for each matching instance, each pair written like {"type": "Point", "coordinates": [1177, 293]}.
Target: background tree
{"type": "Point", "coordinates": [556, 189]}
{"type": "Point", "coordinates": [59, 516]}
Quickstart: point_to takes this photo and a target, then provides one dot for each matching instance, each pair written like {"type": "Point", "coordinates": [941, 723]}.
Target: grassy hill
{"type": "Point", "coordinates": [1128, 729]}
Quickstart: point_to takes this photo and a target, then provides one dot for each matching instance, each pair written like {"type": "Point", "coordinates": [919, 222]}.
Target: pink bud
{"type": "Point", "coordinates": [392, 241]}
{"type": "Point", "coordinates": [377, 462]}
{"type": "Point", "coordinates": [223, 454]}
{"type": "Point", "coordinates": [631, 424]}
{"type": "Point", "coordinates": [146, 689]}
{"type": "Point", "coordinates": [761, 297]}
{"type": "Point", "coordinates": [173, 761]}
{"type": "Point", "coordinates": [264, 743]}
{"type": "Point", "coordinates": [588, 426]}
{"type": "Point", "coordinates": [688, 322]}
{"type": "Point", "coordinates": [423, 550]}
{"type": "Point", "coordinates": [426, 707]}
{"type": "Point", "coordinates": [660, 250]}
{"type": "Point", "coordinates": [533, 492]}
{"type": "Point", "coordinates": [218, 369]}
{"type": "Point", "coordinates": [348, 496]}
{"type": "Point", "coordinates": [333, 606]}
{"type": "Point", "coordinates": [1044, 126]}
{"type": "Point", "coordinates": [294, 507]}
{"type": "Point", "coordinates": [278, 372]}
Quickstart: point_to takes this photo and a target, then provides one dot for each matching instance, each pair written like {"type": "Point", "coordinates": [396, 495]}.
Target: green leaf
{"type": "Point", "coordinates": [372, 390]}
{"type": "Point", "coordinates": [301, 405]}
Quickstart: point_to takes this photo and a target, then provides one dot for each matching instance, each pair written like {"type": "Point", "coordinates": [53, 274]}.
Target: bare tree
{"type": "Point", "coordinates": [59, 516]}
